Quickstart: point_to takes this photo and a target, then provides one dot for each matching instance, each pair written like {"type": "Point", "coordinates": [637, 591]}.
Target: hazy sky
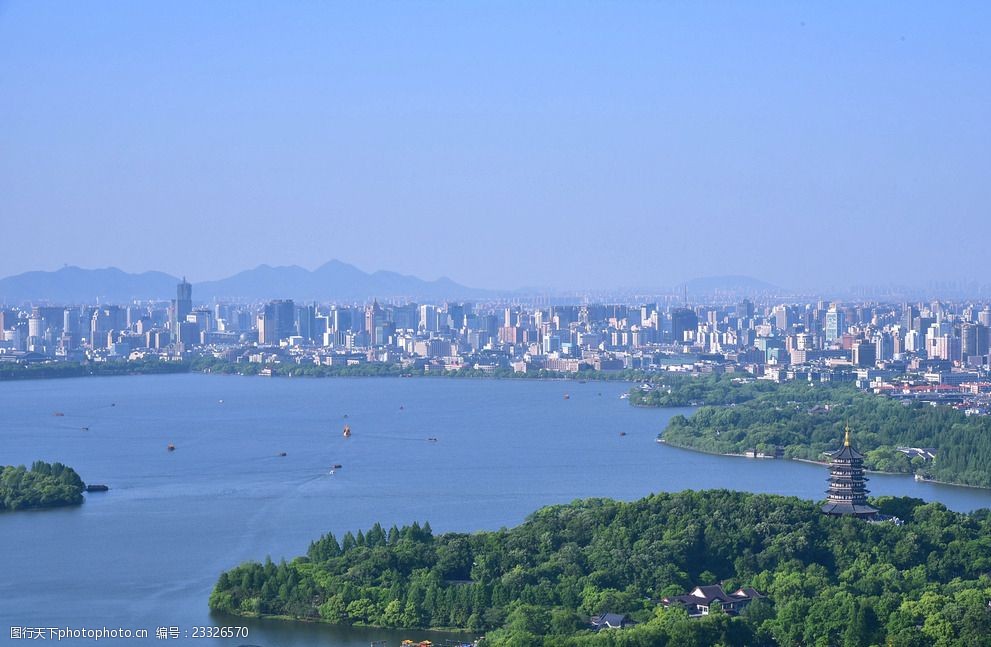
{"type": "Point", "coordinates": [501, 144]}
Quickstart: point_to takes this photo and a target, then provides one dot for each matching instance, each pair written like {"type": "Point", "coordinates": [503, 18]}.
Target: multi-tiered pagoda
{"type": "Point", "coordinates": [847, 494]}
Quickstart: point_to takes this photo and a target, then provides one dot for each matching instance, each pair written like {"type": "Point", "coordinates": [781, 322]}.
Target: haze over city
{"type": "Point", "coordinates": [563, 146]}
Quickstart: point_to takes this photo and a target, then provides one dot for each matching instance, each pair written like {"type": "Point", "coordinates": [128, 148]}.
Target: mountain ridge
{"type": "Point", "coordinates": [334, 280]}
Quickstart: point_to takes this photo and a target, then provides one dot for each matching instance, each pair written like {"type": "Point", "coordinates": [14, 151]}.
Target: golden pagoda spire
{"type": "Point", "coordinates": [846, 438]}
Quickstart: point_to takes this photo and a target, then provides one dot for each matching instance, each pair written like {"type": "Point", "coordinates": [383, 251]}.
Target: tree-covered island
{"type": "Point", "coordinates": [45, 485]}
{"type": "Point", "coordinates": [827, 580]}
{"type": "Point", "coordinates": [737, 415]}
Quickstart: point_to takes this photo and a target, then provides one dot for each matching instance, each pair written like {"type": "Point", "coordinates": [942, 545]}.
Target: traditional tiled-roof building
{"type": "Point", "coordinates": [847, 492]}
{"type": "Point", "coordinates": [700, 600]}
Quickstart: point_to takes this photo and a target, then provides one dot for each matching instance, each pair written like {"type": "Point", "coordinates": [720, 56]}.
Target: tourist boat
{"type": "Point", "coordinates": [97, 487]}
{"type": "Point", "coordinates": [85, 428]}
{"type": "Point", "coordinates": [282, 454]}
{"type": "Point", "coordinates": [338, 466]}
{"type": "Point", "coordinates": [431, 440]}
{"type": "Point", "coordinates": [58, 414]}
{"type": "Point", "coordinates": [170, 447]}
{"type": "Point", "coordinates": [625, 396]}
{"type": "Point", "coordinates": [567, 397]}
{"type": "Point", "coordinates": [265, 372]}
{"type": "Point", "coordinates": [622, 433]}
{"type": "Point", "coordinates": [347, 431]}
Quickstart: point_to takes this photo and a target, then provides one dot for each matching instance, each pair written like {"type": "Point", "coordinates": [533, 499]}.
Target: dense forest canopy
{"type": "Point", "coordinates": [829, 580]}
{"type": "Point", "coordinates": [808, 419]}
{"type": "Point", "coordinates": [45, 485]}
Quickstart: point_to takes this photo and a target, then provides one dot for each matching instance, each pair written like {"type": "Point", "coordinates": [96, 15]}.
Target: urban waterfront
{"type": "Point", "coordinates": [147, 553]}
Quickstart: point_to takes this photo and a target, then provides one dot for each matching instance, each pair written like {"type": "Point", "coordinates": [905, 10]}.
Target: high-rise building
{"type": "Point", "coordinates": [683, 320]}
{"type": "Point", "coordinates": [183, 301]}
{"type": "Point", "coordinates": [884, 346]}
{"type": "Point", "coordinates": [428, 318]}
{"type": "Point", "coordinates": [188, 333]}
{"type": "Point", "coordinates": [973, 340]}
{"type": "Point", "coordinates": [984, 317]}
{"type": "Point", "coordinates": [373, 317]}
{"type": "Point", "coordinates": [835, 323]}
{"type": "Point", "coordinates": [306, 321]}
{"type": "Point", "coordinates": [276, 321]}
{"type": "Point", "coordinates": [784, 318]}
{"type": "Point", "coordinates": [105, 319]}
{"type": "Point", "coordinates": [341, 320]}
{"type": "Point", "coordinates": [267, 333]}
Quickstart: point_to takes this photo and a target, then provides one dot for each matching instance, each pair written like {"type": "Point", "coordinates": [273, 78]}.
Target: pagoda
{"type": "Point", "coordinates": [847, 494]}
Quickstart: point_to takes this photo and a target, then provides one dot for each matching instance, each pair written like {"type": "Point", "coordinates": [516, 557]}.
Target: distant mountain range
{"type": "Point", "coordinates": [77, 285]}
{"type": "Point", "coordinates": [334, 281]}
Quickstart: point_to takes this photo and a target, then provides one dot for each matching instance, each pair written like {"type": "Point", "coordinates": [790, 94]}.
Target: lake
{"type": "Point", "coordinates": [147, 553]}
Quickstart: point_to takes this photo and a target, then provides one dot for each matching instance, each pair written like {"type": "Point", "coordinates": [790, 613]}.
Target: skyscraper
{"type": "Point", "coordinates": [276, 321]}
{"type": "Point", "coordinates": [835, 323]}
{"type": "Point", "coordinates": [682, 321]}
{"type": "Point", "coordinates": [182, 305]}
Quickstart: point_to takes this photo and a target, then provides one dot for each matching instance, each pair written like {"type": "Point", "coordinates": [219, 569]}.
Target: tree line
{"type": "Point", "coordinates": [57, 369]}
{"type": "Point", "coordinates": [809, 419]}
{"type": "Point", "coordinates": [828, 580]}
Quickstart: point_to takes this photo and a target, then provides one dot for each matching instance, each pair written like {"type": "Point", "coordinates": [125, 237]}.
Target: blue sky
{"type": "Point", "coordinates": [569, 145]}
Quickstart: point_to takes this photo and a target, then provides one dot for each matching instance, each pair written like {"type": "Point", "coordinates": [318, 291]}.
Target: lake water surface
{"type": "Point", "coordinates": [147, 553]}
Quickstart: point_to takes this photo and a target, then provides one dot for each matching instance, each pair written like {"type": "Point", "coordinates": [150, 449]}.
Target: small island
{"type": "Point", "coordinates": [45, 485]}
{"type": "Point", "coordinates": [692, 568]}
{"type": "Point", "coordinates": [800, 420]}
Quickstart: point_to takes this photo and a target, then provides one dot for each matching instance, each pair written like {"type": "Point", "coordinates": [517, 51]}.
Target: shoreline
{"type": "Point", "coordinates": [84, 371]}
{"type": "Point", "coordinates": [321, 621]}
{"type": "Point", "coordinates": [923, 479]}
{"type": "Point", "coordinates": [825, 464]}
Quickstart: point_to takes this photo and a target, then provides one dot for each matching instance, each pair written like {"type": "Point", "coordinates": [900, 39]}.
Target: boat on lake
{"type": "Point", "coordinates": [170, 447]}
{"type": "Point", "coordinates": [97, 487]}
{"type": "Point", "coordinates": [347, 431]}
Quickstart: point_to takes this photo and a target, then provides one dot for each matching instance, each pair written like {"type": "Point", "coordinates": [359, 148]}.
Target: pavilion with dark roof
{"type": "Point", "coordinates": [847, 492]}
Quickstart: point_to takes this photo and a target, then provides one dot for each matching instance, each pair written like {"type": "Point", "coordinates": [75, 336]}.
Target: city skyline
{"type": "Point", "coordinates": [606, 146]}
